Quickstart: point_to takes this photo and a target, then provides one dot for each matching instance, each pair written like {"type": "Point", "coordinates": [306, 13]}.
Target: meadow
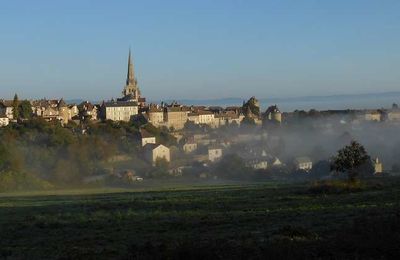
{"type": "Point", "coordinates": [214, 221]}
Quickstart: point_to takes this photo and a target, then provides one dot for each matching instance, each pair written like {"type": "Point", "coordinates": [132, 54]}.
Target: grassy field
{"type": "Point", "coordinates": [206, 221]}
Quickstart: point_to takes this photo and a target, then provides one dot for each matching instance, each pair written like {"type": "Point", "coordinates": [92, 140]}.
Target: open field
{"type": "Point", "coordinates": [214, 221]}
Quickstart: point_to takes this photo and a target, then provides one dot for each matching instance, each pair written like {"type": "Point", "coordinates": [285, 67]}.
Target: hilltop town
{"type": "Point", "coordinates": [185, 139]}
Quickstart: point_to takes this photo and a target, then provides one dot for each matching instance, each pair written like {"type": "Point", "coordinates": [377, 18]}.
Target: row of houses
{"type": "Point", "coordinates": [53, 109]}
{"type": "Point", "coordinates": [172, 116]}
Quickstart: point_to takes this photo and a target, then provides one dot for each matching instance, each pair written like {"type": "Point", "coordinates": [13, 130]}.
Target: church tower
{"type": "Point", "coordinates": [131, 90]}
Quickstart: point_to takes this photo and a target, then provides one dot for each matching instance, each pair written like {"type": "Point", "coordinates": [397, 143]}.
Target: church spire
{"type": "Point", "coordinates": [130, 78]}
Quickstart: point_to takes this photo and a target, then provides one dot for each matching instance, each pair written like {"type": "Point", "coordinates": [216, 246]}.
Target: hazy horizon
{"type": "Point", "coordinates": [202, 50]}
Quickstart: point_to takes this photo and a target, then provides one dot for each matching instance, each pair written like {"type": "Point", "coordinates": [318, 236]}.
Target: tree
{"type": "Point", "coordinates": [350, 159]}
{"type": "Point", "coordinates": [25, 109]}
{"type": "Point", "coordinates": [15, 106]}
{"type": "Point", "coordinates": [232, 166]}
{"type": "Point", "coordinates": [248, 121]}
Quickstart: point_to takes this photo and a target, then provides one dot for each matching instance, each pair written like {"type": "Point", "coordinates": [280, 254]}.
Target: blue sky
{"type": "Point", "coordinates": [199, 49]}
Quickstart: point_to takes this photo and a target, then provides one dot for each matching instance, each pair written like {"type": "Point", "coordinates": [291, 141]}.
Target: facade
{"type": "Point", "coordinates": [153, 152]}
{"type": "Point", "coordinates": [373, 116]}
{"type": "Point", "coordinates": [189, 147]}
{"type": "Point", "coordinates": [4, 121]}
{"type": "Point", "coordinates": [155, 115]}
{"type": "Point", "coordinates": [258, 164]}
{"type": "Point", "coordinates": [88, 111]}
{"type": "Point", "coordinates": [63, 112]}
{"type": "Point", "coordinates": [214, 153]}
{"type": "Point", "coordinates": [378, 168]}
{"type": "Point", "coordinates": [120, 110]}
{"type": "Point", "coordinates": [393, 115]}
{"type": "Point", "coordinates": [6, 108]}
{"type": "Point", "coordinates": [202, 117]}
{"type": "Point", "coordinates": [273, 115]}
{"type": "Point", "coordinates": [176, 116]}
{"type": "Point", "coordinates": [146, 137]}
{"type": "Point", "coordinates": [303, 163]}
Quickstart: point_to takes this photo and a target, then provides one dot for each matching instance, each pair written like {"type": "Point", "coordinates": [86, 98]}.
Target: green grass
{"type": "Point", "coordinates": [202, 221]}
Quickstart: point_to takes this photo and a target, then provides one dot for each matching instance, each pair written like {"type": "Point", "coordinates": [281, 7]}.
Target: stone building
{"type": "Point", "coordinates": [64, 114]}
{"type": "Point", "coordinates": [131, 91]}
{"type": "Point", "coordinates": [153, 152]}
{"type": "Point", "coordinates": [119, 110]}
{"type": "Point", "coordinates": [176, 116]}
{"type": "Point", "coordinates": [273, 115]}
{"type": "Point", "coordinates": [189, 147]}
{"type": "Point", "coordinates": [202, 117]}
{"type": "Point", "coordinates": [155, 115]}
{"type": "Point", "coordinates": [131, 88]}
{"type": "Point", "coordinates": [6, 108]}
{"type": "Point", "coordinates": [373, 115]}
{"type": "Point", "coordinates": [214, 153]}
{"type": "Point", "coordinates": [146, 137]}
{"type": "Point", "coordinates": [88, 111]}
{"type": "Point", "coordinates": [393, 115]}
{"type": "Point", "coordinates": [4, 120]}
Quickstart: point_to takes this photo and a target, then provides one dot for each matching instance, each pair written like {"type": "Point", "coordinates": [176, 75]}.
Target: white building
{"type": "Point", "coordinates": [189, 147]}
{"type": "Point", "coordinates": [147, 138]}
{"type": "Point", "coordinates": [303, 163]}
{"type": "Point", "coordinates": [6, 108]}
{"type": "Point", "coordinates": [258, 164]}
{"type": "Point", "coordinates": [155, 115]}
{"type": "Point", "coordinates": [214, 153]}
{"type": "Point", "coordinates": [157, 151]}
{"type": "Point", "coordinates": [202, 117]}
{"type": "Point", "coordinates": [120, 110]}
{"type": "Point", "coordinates": [4, 121]}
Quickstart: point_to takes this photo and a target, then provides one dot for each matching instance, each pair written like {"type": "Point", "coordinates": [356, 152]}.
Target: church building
{"type": "Point", "coordinates": [123, 109]}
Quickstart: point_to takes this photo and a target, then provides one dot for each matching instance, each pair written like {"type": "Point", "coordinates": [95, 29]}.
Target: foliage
{"type": "Point", "coordinates": [320, 169]}
{"type": "Point", "coordinates": [14, 181]}
{"type": "Point", "coordinates": [349, 159]}
{"type": "Point", "coordinates": [231, 166]}
{"type": "Point", "coordinates": [15, 105]}
{"type": "Point", "coordinates": [248, 121]}
{"type": "Point", "coordinates": [61, 155]}
{"type": "Point", "coordinates": [25, 109]}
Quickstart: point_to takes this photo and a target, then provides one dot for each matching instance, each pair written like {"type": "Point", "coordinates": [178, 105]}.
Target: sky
{"type": "Point", "coordinates": [199, 49]}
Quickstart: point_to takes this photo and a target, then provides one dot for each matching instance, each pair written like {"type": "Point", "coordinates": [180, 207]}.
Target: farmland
{"type": "Point", "coordinates": [204, 221]}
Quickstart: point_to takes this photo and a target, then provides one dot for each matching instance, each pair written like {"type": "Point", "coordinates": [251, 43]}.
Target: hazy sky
{"type": "Point", "coordinates": [199, 49]}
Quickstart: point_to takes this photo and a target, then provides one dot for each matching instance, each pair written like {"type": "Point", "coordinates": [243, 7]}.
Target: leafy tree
{"type": "Point", "coordinates": [232, 166]}
{"type": "Point", "coordinates": [320, 169]}
{"type": "Point", "coordinates": [25, 109]}
{"type": "Point", "coordinates": [15, 106]}
{"type": "Point", "coordinates": [248, 121]}
{"type": "Point", "coordinates": [350, 159]}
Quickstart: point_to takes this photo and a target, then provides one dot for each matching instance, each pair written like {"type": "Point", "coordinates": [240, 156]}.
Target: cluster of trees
{"type": "Point", "coordinates": [21, 109]}
{"type": "Point", "coordinates": [64, 156]}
